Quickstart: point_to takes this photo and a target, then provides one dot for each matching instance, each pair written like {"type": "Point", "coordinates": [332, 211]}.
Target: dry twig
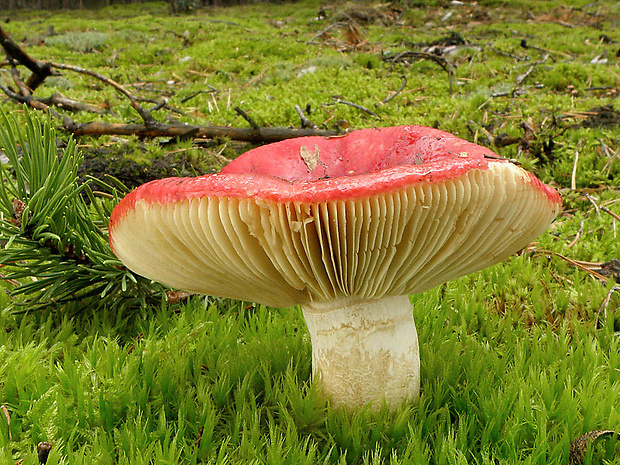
{"type": "Point", "coordinates": [524, 76]}
{"type": "Point", "coordinates": [593, 202]}
{"type": "Point", "coordinates": [578, 235]}
{"type": "Point", "coordinates": [246, 117]}
{"type": "Point", "coordinates": [355, 105]}
{"type": "Point", "coordinates": [305, 122]}
{"type": "Point", "coordinates": [403, 84]}
{"type": "Point", "coordinates": [40, 69]}
{"type": "Point", "coordinates": [573, 177]}
{"type": "Point", "coordinates": [592, 268]}
{"type": "Point", "coordinates": [609, 212]}
{"type": "Point", "coordinates": [604, 305]}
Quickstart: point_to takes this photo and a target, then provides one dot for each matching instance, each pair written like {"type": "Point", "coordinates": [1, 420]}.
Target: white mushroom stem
{"type": "Point", "coordinates": [365, 351]}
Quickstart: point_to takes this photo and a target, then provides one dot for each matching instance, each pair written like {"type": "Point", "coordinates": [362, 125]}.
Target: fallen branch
{"type": "Point", "coordinates": [186, 131]}
{"type": "Point", "coordinates": [34, 103]}
{"type": "Point", "coordinates": [355, 105]}
{"type": "Point", "coordinates": [599, 270]}
{"type": "Point", "coordinates": [69, 104]}
{"type": "Point", "coordinates": [150, 128]}
{"type": "Point", "coordinates": [134, 101]}
{"type": "Point", "coordinates": [40, 69]}
{"type": "Point", "coordinates": [42, 104]}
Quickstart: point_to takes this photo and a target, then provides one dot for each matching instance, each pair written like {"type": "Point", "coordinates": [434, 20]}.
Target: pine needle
{"type": "Point", "coordinates": [54, 230]}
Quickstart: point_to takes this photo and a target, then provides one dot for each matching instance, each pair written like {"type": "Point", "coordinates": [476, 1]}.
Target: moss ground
{"type": "Point", "coordinates": [517, 360]}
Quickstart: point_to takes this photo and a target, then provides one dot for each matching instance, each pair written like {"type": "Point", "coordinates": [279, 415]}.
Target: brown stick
{"type": "Point", "coordinates": [145, 115]}
{"type": "Point", "coordinates": [246, 117]}
{"type": "Point", "coordinates": [21, 85]}
{"type": "Point", "coordinates": [66, 103]}
{"type": "Point", "coordinates": [355, 105]}
{"type": "Point", "coordinates": [400, 89]}
{"type": "Point", "coordinates": [305, 122]}
{"type": "Point", "coordinates": [588, 267]}
{"type": "Point", "coordinates": [260, 135]}
{"type": "Point", "coordinates": [101, 77]}
{"type": "Point", "coordinates": [38, 105]}
{"type": "Point", "coordinates": [40, 69]}
{"type": "Point", "coordinates": [613, 215]}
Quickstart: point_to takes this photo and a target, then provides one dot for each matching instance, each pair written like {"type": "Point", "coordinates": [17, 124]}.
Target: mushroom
{"type": "Point", "coordinates": [347, 227]}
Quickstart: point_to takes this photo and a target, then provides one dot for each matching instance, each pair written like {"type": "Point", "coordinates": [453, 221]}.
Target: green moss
{"type": "Point", "coordinates": [367, 61]}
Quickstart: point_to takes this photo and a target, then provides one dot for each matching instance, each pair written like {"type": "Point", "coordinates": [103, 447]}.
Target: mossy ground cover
{"type": "Point", "coordinates": [517, 360]}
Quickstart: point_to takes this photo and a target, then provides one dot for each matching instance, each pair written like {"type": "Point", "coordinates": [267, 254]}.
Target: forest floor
{"type": "Point", "coordinates": [517, 360]}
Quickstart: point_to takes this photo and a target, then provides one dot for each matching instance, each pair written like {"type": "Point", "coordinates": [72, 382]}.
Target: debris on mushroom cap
{"type": "Point", "coordinates": [378, 212]}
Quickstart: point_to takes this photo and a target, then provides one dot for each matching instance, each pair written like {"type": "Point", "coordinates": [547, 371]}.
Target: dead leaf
{"type": "Point", "coordinates": [579, 446]}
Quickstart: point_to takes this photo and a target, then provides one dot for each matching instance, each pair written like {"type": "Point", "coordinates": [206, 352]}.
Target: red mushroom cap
{"type": "Point", "coordinates": [317, 169]}
{"type": "Point", "coordinates": [319, 217]}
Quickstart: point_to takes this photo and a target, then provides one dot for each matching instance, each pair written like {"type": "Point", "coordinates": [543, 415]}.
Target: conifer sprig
{"type": "Point", "coordinates": [53, 230]}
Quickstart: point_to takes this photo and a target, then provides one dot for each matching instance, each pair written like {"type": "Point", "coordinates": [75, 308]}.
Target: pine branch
{"type": "Point", "coordinates": [54, 230]}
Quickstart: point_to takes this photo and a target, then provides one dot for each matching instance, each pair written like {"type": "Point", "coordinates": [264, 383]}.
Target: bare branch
{"type": "Point", "coordinates": [247, 117]}
{"type": "Point", "coordinates": [184, 131]}
{"type": "Point", "coordinates": [355, 105]}
{"type": "Point", "coordinates": [40, 69]}
{"type": "Point", "coordinates": [305, 122]}
{"type": "Point", "coordinates": [145, 115]}
{"type": "Point", "coordinates": [403, 84]}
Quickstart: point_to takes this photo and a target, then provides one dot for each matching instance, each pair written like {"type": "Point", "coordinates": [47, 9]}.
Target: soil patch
{"type": "Point", "coordinates": [102, 162]}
